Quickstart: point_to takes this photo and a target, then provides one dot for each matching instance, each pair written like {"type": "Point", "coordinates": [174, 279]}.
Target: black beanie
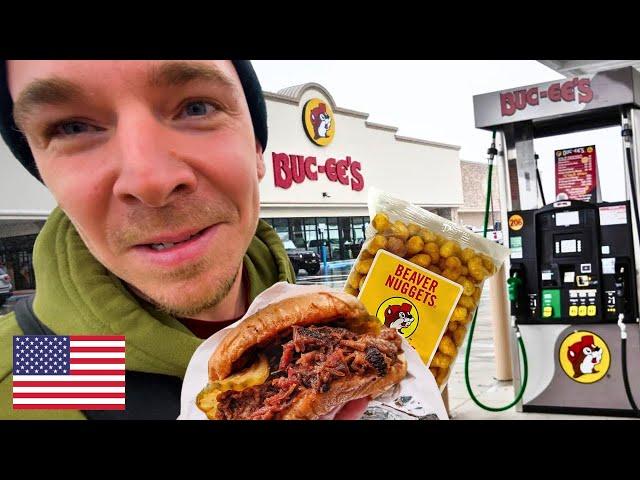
{"type": "Point", "coordinates": [18, 145]}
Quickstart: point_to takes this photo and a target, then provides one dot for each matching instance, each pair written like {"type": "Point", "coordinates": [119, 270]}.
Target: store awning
{"type": "Point", "coordinates": [571, 68]}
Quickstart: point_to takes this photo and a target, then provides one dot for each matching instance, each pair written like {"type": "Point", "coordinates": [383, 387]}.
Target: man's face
{"type": "Point", "coordinates": [154, 162]}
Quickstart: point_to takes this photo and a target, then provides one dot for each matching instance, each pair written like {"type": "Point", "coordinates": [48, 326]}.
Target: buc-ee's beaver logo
{"type": "Point", "coordinates": [399, 313]}
{"type": "Point", "coordinates": [318, 121]}
{"type": "Point", "coordinates": [584, 357]}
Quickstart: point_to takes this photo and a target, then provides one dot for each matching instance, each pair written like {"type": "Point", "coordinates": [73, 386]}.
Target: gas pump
{"type": "Point", "coordinates": [573, 268]}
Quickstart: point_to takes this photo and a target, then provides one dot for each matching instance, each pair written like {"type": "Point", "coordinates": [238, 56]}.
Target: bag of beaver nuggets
{"type": "Point", "coordinates": [422, 275]}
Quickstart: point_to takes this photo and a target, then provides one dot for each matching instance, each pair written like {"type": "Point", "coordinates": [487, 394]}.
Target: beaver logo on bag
{"type": "Point", "coordinates": [398, 317]}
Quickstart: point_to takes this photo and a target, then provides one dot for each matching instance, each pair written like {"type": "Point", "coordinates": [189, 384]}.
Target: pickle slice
{"type": "Point", "coordinates": [256, 374]}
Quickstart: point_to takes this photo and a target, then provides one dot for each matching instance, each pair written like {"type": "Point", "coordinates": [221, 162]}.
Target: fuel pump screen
{"type": "Point", "coordinates": [567, 218]}
{"type": "Point", "coordinates": [568, 246]}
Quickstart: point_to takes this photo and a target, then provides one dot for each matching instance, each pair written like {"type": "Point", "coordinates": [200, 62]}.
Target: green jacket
{"type": "Point", "coordinates": [76, 295]}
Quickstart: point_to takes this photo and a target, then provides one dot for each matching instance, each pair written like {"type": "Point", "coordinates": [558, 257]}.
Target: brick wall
{"type": "Point", "coordinates": [474, 187]}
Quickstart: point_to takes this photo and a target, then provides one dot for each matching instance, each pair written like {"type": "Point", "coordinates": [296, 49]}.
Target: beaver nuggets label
{"type": "Point", "coordinates": [415, 301]}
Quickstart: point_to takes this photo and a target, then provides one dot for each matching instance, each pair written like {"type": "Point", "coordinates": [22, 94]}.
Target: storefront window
{"type": "Point", "coordinates": [297, 232]}
{"type": "Point", "coordinates": [311, 235]}
{"type": "Point", "coordinates": [335, 252]}
{"type": "Point", "coordinates": [322, 236]}
{"type": "Point", "coordinates": [343, 236]}
{"type": "Point", "coordinates": [281, 225]}
{"type": "Point", "coordinates": [347, 243]}
{"type": "Point", "coordinates": [358, 230]}
{"type": "Point", "coordinates": [16, 259]}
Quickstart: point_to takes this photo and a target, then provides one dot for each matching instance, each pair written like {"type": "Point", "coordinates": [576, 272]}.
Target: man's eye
{"type": "Point", "coordinates": [197, 109]}
{"type": "Point", "coordinates": [73, 128]}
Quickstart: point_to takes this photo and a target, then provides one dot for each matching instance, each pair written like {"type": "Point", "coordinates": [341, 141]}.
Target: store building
{"type": "Point", "coordinates": [24, 206]}
{"type": "Point", "coordinates": [321, 160]}
{"type": "Point", "coordinates": [474, 188]}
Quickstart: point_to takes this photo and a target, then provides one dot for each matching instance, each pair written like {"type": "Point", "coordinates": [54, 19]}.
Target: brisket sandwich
{"type": "Point", "coordinates": [300, 358]}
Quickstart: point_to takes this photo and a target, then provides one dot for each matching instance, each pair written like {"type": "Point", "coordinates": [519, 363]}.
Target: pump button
{"type": "Point", "coordinates": [582, 310]}
{"type": "Point", "coordinates": [573, 311]}
{"type": "Point", "coordinates": [591, 310]}
{"type": "Point", "coordinates": [547, 312]}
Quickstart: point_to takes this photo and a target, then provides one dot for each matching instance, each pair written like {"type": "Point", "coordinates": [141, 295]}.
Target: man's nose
{"type": "Point", "coordinates": [152, 170]}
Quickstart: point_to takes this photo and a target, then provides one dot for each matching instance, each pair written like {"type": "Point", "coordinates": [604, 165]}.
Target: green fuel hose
{"type": "Point", "coordinates": [514, 282]}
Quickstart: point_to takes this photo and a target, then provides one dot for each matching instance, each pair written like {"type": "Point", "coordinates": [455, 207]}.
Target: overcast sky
{"type": "Point", "coordinates": [433, 100]}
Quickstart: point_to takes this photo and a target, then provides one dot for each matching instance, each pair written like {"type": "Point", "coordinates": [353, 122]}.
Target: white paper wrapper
{"type": "Point", "coordinates": [415, 397]}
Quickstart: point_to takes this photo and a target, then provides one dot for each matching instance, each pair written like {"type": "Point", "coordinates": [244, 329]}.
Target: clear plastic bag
{"type": "Point", "coordinates": [438, 245]}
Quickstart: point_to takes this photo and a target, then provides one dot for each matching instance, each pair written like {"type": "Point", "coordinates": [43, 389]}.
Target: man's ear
{"type": "Point", "coordinates": [259, 161]}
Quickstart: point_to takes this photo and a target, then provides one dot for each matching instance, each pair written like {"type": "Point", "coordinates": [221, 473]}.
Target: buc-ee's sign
{"type": "Point", "coordinates": [577, 89]}
{"type": "Point", "coordinates": [290, 168]}
{"type": "Point", "coordinates": [559, 97]}
{"type": "Point", "coordinates": [319, 125]}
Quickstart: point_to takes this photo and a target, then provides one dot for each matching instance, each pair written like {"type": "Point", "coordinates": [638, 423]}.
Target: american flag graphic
{"type": "Point", "coordinates": [53, 372]}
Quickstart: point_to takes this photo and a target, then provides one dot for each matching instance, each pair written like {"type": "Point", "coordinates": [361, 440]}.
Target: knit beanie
{"type": "Point", "coordinates": [18, 145]}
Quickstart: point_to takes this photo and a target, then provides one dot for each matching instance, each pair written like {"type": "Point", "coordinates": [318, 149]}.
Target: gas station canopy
{"type": "Point", "coordinates": [579, 103]}
{"type": "Point", "coordinates": [557, 285]}
{"type": "Point", "coordinates": [570, 68]}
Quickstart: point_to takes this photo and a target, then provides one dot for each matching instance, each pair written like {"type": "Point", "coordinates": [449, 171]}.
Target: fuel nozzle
{"type": "Point", "coordinates": [514, 282]}
{"type": "Point", "coordinates": [513, 286]}
{"type": "Point", "coordinates": [492, 151]}
{"type": "Point", "coordinates": [626, 131]}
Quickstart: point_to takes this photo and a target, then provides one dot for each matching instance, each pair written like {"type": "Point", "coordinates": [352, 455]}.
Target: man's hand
{"type": "Point", "coordinates": [352, 410]}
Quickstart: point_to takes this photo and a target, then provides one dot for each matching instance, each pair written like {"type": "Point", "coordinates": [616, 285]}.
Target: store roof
{"type": "Point", "coordinates": [571, 68]}
{"type": "Point", "coordinates": [294, 93]}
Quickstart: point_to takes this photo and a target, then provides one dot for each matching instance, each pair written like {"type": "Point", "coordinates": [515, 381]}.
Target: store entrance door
{"type": "Point", "coordinates": [334, 237]}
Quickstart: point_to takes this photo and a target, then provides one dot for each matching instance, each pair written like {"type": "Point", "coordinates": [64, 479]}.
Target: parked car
{"type": "Point", "coordinates": [302, 258]}
{"type": "Point", "coordinates": [6, 287]}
